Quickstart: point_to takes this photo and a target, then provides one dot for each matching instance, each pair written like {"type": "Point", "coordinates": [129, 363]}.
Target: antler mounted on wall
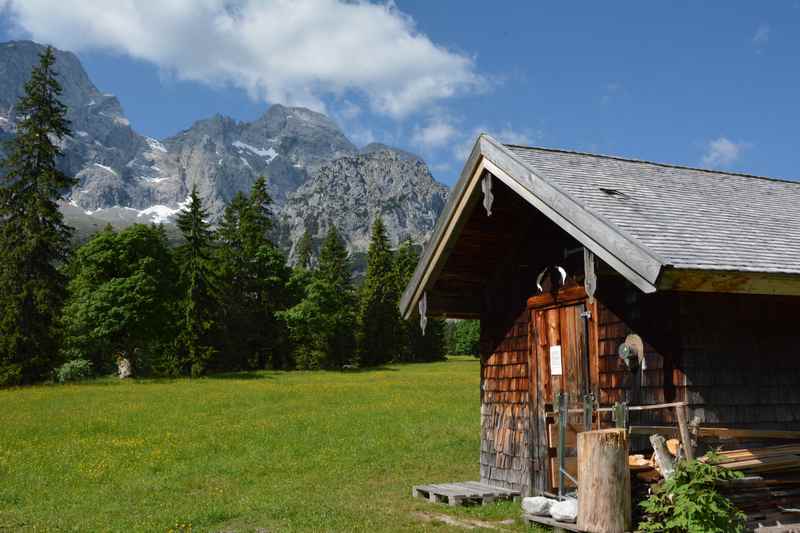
{"type": "Point", "coordinates": [562, 274]}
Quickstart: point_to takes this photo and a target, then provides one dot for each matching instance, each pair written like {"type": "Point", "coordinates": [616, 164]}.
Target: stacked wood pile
{"type": "Point", "coordinates": [770, 491]}
{"type": "Point", "coordinates": [769, 494]}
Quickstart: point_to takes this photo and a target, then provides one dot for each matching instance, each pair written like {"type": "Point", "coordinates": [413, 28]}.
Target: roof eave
{"type": "Point", "coordinates": [413, 289]}
{"type": "Point", "coordinates": [626, 256]}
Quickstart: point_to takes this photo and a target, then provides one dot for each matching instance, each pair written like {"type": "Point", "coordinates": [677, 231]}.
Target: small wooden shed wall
{"type": "Point", "coordinates": [712, 338]}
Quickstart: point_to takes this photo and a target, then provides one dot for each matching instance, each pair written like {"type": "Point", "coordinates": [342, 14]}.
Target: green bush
{"type": "Point", "coordinates": [462, 337]}
{"type": "Point", "coordinates": [74, 370]}
{"type": "Point", "coordinates": [689, 501]}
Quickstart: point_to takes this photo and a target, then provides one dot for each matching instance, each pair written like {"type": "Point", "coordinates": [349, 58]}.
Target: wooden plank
{"type": "Point", "coordinates": [683, 427]}
{"type": "Point", "coordinates": [563, 296]}
{"type": "Point", "coordinates": [652, 407]}
{"type": "Point", "coordinates": [553, 338]}
{"type": "Point", "coordinates": [734, 433]}
{"type": "Point", "coordinates": [693, 280]}
{"type": "Point", "coordinates": [547, 521]}
{"type": "Point", "coordinates": [721, 433]}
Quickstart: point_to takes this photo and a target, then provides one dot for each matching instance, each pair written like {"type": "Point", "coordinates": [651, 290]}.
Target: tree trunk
{"type": "Point", "coordinates": [604, 483]}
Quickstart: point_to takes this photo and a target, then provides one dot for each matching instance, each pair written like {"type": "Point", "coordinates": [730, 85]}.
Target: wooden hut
{"type": "Point", "coordinates": [638, 282]}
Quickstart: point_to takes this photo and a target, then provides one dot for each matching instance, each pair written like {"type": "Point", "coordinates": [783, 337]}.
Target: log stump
{"type": "Point", "coordinates": [604, 482]}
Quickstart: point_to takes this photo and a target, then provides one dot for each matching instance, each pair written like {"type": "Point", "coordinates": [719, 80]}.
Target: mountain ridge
{"type": "Point", "coordinates": [125, 177]}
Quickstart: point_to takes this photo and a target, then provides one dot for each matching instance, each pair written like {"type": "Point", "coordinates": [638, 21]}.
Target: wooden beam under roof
{"type": "Point", "coordinates": [695, 280]}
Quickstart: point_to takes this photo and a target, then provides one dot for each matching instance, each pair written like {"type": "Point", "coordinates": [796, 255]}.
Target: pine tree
{"type": "Point", "coordinates": [304, 250]}
{"type": "Point", "coordinates": [33, 237]}
{"type": "Point", "coordinates": [195, 346]}
{"type": "Point", "coordinates": [414, 346]}
{"type": "Point", "coordinates": [322, 324]}
{"type": "Point", "coordinates": [254, 277]}
{"type": "Point", "coordinates": [378, 318]}
{"type": "Point", "coordinates": [334, 277]}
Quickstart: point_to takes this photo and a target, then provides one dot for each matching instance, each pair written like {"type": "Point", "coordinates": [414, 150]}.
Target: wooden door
{"type": "Point", "coordinates": [562, 342]}
{"type": "Point", "coordinates": [566, 362]}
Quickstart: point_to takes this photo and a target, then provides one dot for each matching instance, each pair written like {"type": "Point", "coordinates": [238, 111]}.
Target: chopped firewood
{"type": "Point", "coordinates": [649, 476]}
{"type": "Point", "coordinates": [638, 462]}
{"type": "Point", "coordinates": [673, 445]}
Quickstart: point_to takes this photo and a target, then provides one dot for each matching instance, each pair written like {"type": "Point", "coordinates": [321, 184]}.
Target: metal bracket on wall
{"type": "Point", "coordinates": [488, 197]}
{"type": "Point", "coordinates": [423, 312]}
{"type": "Point", "coordinates": [588, 411]}
{"type": "Point", "coordinates": [590, 276]}
{"type": "Point", "coordinates": [563, 413]}
{"type": "Point", "coordinates": [619, 414]}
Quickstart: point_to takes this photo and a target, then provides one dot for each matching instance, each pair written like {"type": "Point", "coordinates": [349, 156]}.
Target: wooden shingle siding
{"type": "Point", "coordinates": [505, 409]}
{"type": "Point", "coordinates": [734, 358]}
{"type": "Point", "coordinates": [741, 360]}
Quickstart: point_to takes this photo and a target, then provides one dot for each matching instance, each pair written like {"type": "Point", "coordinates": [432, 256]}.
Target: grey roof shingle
{"type": "Point", "coordinates": [689, 218]}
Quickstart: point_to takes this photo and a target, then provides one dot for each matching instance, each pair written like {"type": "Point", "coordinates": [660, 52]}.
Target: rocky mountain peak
{"type": "Point", "coordinates": [350, 192]}
{"type": "Point", "coordinates": [316, 175]}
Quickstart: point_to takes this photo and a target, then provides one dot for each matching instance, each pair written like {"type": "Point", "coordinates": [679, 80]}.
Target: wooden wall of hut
{"type": "Point", "coordinates": [518, 243]}
{"type": "Point", "coordinates": [734, 357]}
{"type": "Point", "coordinates": [624, 310]}
{"type": "Point", "coordinates": [505, 407]}
{"type": "Point", "coordinates": [740, 360]}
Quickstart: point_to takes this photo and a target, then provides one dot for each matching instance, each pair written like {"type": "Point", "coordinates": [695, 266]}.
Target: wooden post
{"type": "Point", "coordinates": [683, 427]}
{"type": "Point", "coordinates": [604, 481]}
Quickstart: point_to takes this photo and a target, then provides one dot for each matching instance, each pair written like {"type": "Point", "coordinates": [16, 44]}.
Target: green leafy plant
{"type": "Point", "coordinates": [74, 370]}
{"type": "Point", "coordinates": [689, 501]}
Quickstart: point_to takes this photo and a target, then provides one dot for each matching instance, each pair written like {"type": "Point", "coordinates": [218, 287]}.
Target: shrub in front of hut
{"type": "Point", "coordinates": [690, 501]}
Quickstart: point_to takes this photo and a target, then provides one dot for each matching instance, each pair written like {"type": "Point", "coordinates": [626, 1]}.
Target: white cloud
{"type": "Point", "coordinates": [722, 152]}
{"type": "Point", "coordinates": [361, 136]}
{"type": "Point", "coordinates": [435, 134]}
{"type": "Point", "coordinates": [296, 52]}
{"type": "Point", "coordinates": [761, 36]}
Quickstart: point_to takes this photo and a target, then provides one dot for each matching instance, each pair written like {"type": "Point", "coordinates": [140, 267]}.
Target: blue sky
{"type": "Point", "coordinates": [696, 83]}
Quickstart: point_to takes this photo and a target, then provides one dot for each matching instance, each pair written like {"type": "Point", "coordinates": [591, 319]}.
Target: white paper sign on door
{"type": "Point", "coordinates": [555, 360]}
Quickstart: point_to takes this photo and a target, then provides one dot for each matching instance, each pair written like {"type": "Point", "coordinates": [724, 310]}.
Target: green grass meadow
{"type": "Point", "coordinates": [275, 451]}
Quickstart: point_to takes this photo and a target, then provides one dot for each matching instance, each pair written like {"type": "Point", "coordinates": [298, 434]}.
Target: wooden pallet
{"type": "Point", "coordinates": [547, 521]}
{"type": "Point", "coordinates": [465, 493]}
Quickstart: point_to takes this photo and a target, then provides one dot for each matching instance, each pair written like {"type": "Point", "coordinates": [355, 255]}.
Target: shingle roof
{"type": "Point", "coordinates": [642, 219]}
{"type": "Point", "coordinates": [686, 217]}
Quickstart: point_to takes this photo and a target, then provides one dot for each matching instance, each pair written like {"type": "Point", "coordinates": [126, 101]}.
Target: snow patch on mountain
{"type": "Point", "coordinates": [160, 214]}
{"type": "Point", "coordinates": [106, 168]}
{"type": "Point", "coordinates": [151, 179]}
{"type": "Point", "coordinates": [155, 144]}
{"type": "Point", "coordinates": [267, 153]}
